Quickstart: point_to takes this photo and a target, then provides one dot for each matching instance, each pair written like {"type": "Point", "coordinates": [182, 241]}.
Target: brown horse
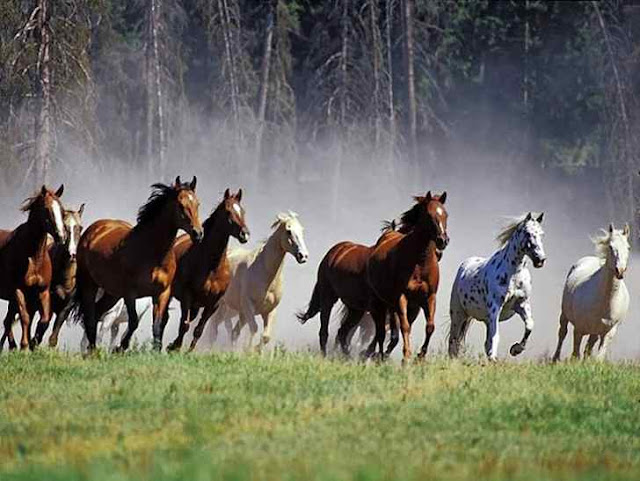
{"type": "Point", "coordinates": [25, 265]}
{"type": "Point", "coordinates": [342, 275]}
{"type": "Point", "coordinates": [129, 262]}
{"type": "Point", "coordinates": [403, 269]}
{"type": "Point", "coordinates": [203, 273]}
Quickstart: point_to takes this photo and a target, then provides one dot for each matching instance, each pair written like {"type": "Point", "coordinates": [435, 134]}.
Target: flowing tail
{"type": "Point", "coordinates": [314, 305]}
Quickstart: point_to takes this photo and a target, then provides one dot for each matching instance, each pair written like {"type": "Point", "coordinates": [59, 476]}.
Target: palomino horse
{"type": "Point", "coordinates": [135, 261]}
{"type": "Point", "coordinates": [203, 270]}
{"type": "Point", "coordinates": [257, 275]}
{"type": "Point", "coordinates": [595, 298]}
{"type": "Point", "coordinates": [63, 283]}
{"type": "Point", "coordinates": [403, 272]}
{"type": "Point", "coordinates": [493, 289]}
{"type": "Point", "coordinates": [25, 265]}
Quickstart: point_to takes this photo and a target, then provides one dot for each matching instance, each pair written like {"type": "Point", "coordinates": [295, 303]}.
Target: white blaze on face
{"type": "Point", "coordinates": [237, 208]}
{"type": "Point", "coordinates": [440, 212]}
{"type": "Point", "coordinates": [73, 242]}
{"type": "Point", "coordinates": [57, 218]}
{"type": "Point", "coordinates": [297, 236]}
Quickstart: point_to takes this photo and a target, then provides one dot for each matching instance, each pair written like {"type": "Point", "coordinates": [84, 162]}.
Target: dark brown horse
{"type": "Point", "coordinates": [25, 265]}
{"type": "Point", "coordinates": [403, 271]}
{"type": "Point", "coordinates": [203, 273]}
{"type": "Point", "coordinates": [129, 262]}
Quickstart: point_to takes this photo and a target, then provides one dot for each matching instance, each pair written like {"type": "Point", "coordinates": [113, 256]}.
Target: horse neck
{"type": "Point", "coordinates": [609, 283]}
{"type": "Point", "coordinates": [512, 257]}
{"type": "Point", "coordinates": [213, 248]}
{"type": "Point", "coordinates": [34, 239]}
{"type": "Point", "coordinates": [271, 257]}
{"type": "Point", "coordinates": [156, 236]}
{"type": "Point", "coordinates": [416, 245]}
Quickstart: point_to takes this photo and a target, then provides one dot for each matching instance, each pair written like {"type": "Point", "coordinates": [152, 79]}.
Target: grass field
{"type": "Point", "coordinates": [296, 416]}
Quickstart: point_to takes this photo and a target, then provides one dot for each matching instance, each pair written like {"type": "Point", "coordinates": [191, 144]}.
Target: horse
{"type": "Point", "coordinates": [403, 273]}
{"type": "Point", "coordinates": [63, 260]}
{"type": "Point", "coordinates": [203, 273]}
{"type": "Point", "coordinates": [595, 298]}
{"type": "Point", "coordinates": [112, 320]}
{"type": "Point", "coordinates": [135, 261]}
{"type": "Point", "coordinates": [257, 277]}
{"type": "Point", "coordinates": [494, 289]}
{"type": "Point", "coordinates": [25, 265]}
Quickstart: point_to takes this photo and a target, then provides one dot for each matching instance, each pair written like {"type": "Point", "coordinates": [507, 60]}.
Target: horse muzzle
{"type": "Point", "coordinates": [442, 242]}
{"type": "Point", "coordinates": [197, 235]}
{"type": "Point", "coordinates": [243, 236]}
{"type": "Point", "coordinates": [302, 257]}
{"type": "Point", "coordinates": [538, 263]}
{"type": "Point", "coordinates": [620, 273]}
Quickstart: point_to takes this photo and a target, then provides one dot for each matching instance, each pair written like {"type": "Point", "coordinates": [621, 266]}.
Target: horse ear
{"type": "Point", "coordinates": [239, 195]}
{"type": "Point", "coordinates": [193, 183]}
{"type": "Point", "coordinates": [60, 190]}
{"type": "Point", "coordinates": [178, 182]}
{"type": "Point", "coordinates": [81, 210]}
{"type": "Point", "coordinates": [627, 230]}
{"type": "Point", "coordinates": [443, 197]}
{"type": "Point", "coordinates": [529, 216]}
{"type": "Point", "coordinates": [539, 219]}
{"type": "Point", "coordinates": [428, 196]}
{"type": "Point", "coordinates": [227, 194]}
{"type": "Point", "coordinates": [43, 190]}
{"type": "Point", "coordinates": [611, 228]}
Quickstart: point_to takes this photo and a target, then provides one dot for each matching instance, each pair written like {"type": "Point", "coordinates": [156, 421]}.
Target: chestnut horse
{"type": "Point", "coordinates": [25, 265]}
{"type": "Point", "coordinates": [135, 261]}
{"type": "Point", "coordinates": [403, 269]}
{"type": "Point", "coordinates": [203, 273]}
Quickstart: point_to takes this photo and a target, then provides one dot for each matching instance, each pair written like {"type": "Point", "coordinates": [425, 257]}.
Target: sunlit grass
{"type": "Point", "coordinates": [296, 416]}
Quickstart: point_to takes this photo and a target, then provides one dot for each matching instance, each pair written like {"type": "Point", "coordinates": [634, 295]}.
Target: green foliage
{"type": "Point", "coordinates": [296, 416]}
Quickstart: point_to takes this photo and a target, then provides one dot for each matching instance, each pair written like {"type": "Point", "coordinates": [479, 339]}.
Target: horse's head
{"type": "Point", "coordinates": [73, 227]}
{"type": "Point", "coordinates": [235, 215]}
{"type": "Point", "coordinates": [436, 217]}
{"type": "Point", "coordinates": [46, 208]}
{"type": "Point", "coordinates": [615, 249]}
{"type": "Point", "coordinates": [292, 236]}
{"type": "Point", "coordinates": [530, 237]}
{"type": "Point", "coordinates": [187, 205]}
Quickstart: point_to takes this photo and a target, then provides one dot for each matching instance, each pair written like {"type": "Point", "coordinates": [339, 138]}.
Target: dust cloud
{"type": "Point", "coordinates": [347, 200]}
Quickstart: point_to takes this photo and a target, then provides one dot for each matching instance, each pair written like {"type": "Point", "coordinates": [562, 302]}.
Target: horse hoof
{"type": "Point", "coordinates": [516, 349]}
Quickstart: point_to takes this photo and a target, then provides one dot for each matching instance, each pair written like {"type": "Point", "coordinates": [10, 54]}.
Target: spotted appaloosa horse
{"type": "Point", "coordinates": [135, 261]}
{"type": "Point", "coordinates": [493, 289]}
{"type": "Point", "coordinates": [25, 265]}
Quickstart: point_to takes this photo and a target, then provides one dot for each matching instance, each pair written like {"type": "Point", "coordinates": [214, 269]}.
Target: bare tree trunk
{"type": "Point", "coordinates": [410, 79]}
{"type": "Point", "coordinates": [155, 18]}
{"type": "Point", "coordinates": [150, 99]}
{"type": "Point", "coordinates": [43, 132]}
{"type": "Point", "coordinates": [344, 79]}
{"type": "Point", "coordinates": [264, 79]}
{"type": "Point", "coordinates": [392, 108]}
{"type": "Point", "coordinates": [375, 48]}
{"type": "Point", "coordinates": [226, 33]}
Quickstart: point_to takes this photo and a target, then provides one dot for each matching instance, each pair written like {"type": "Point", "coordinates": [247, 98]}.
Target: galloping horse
{"type": "Point", "coordinates": [493, 289]}
{"type": "Point", "coordinates": [135, 261]}
{"type": "Point", "coordinates": [257, 275]}
{"type": "Point", "coordinates": [595, 298]}
{"type": "Point", "coordinates": [25, 265]}
{"type": "Point", "coordinates": [203, 273]}
{"type": "Point", "coordinates": [63, 260]}
{"type": "Point", "coordinates": [403, 273]}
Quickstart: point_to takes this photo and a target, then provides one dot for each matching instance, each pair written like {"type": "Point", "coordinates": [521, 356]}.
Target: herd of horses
{"type": "Point", "coordinates": [51, 267]}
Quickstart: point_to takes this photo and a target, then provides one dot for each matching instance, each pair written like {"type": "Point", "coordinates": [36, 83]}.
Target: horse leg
{"type": "Point", "coordinates": [351, 321]}
{"type": "Point", "coordinates": [577, 342]}
{"type": "Point", "coordinates": [87, 294]}
{"type": "Point", "coordinates": [269, 320]}
{"type": "Point", "coordinates": [493, 334]}
{"type": "Point", "coordinates": [429, 309]}
{"type": "Point", "coordinates": [44, 301]}
{"type": "Point", "coordinates": [246, 316]}
{"type": "Point", "coordinates": [8, 326]}
{"type": "Point", "coordinates": [25, 319]}
{"type": "Point", "coordinates": [562, 333]}
{"type": "Point", "coordinates": [160, 304]}
{"type": "Point", "coordinates": [524, 311]}
{"type": "Point", "coordinates": [185, 321]}
{"type": "Point", "coordinates": [460, 323]}
{"type": "Point", "coordinates": [325, 316]}
{"type": "Point", "coordinates": [114, 331]}
{"type": "Point", "coordinates": [405, 327]}
{"type": "Point", "coordinates": [133, 324]}
{"type": "Point", "coordinates": [204, 317]}
{"type": "Point", "coordinates": [394, 334]}
{"type": "Point", "coordinates": [608, 337]}
{"type": "Point", "coordinates": [591, 341]}
{"type": "Point", "coordinates": [60, 319]}
{"type": "Point", "coordinates": [379, 314]}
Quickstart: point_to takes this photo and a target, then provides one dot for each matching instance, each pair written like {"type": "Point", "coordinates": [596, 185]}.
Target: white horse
{"type": "Point", "coordinates": [256, 278]}
{"type": "Point", "coordinates": [595, 298]}
{"type": "Point", "coordinates": [112, 320]}
{"type": "Point", "coordinates": [492, 290]}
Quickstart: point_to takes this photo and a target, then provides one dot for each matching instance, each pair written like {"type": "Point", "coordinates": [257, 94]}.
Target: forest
{"type": "Point", "coordinates": [313, 90]}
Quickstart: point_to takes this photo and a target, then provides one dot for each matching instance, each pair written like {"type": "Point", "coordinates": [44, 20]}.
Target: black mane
{"type": "Point", "coordinates": [208, 224]}
{"type": "Point", "coordinates": [160, 195]}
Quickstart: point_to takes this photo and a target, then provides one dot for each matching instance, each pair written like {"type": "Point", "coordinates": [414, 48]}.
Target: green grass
{"type": "Point", "coordinates": [299, 417]}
